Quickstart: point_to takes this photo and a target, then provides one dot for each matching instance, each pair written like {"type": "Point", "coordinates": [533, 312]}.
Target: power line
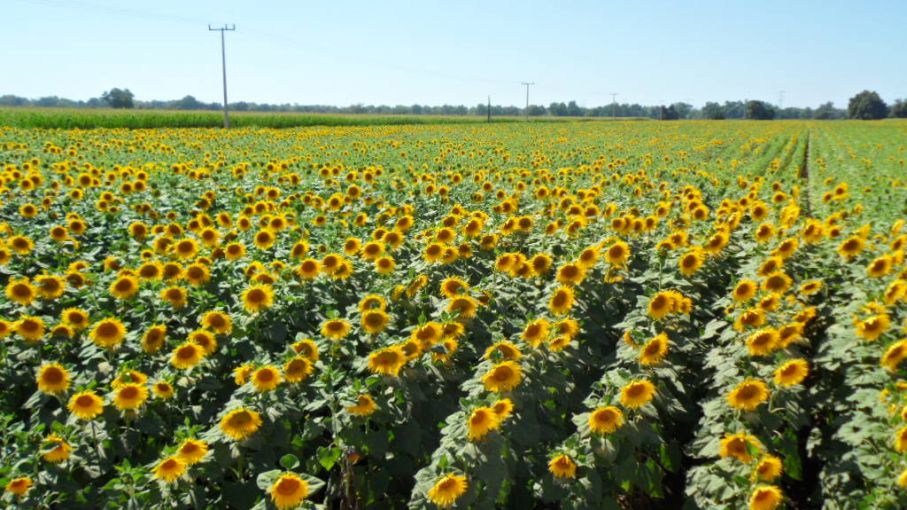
{"type": "Point", "coordinates": [527, 84]}
{"type": "Point", "coordinates": [613, 102]}
{"type": "Point", "coordinates": [223, 60]}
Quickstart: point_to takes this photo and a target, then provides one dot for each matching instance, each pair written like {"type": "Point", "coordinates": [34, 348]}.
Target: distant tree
{"type": "Point", "coordinates": [557, 109]}
{"type": "Point", "coordinates": [899, 109]}
{"type": "Point", "coordinates": [11, 100]}
{"type": "Point", "coordinates": [48, 101]}
{"type": "Point", "coordinates": [683, 110]}
{"type": "Point", "coordinates": [713, 111]}
{"type": "Point", "coordinates": [669, 113]}
{"type": "Point", "coordinates": [118, 98]}
{"type": "Point", "coordinates": [759, 110]}
{"type": "Point", "coordinates": [826, 111]}
{"type": "Point", "coordinates": [574, 110]}
{"type": "Point", "coordinates": [190, 103]}
{"type": "Point", "coordinates": [867, 105]}
{"type": "Point", "coordinates": [536, 110]}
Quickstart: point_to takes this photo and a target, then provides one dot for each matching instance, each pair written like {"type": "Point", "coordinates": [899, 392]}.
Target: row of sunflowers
{"type": "Point", "coordinates": [585, 315]}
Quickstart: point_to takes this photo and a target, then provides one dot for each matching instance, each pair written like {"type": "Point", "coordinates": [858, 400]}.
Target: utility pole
{"type": "Point", "coordinates": [613, 103]}
{"type": "Point", "coordinates": [527, 84]}
{"type": "Point", "coordinates": [223, 61]}
{"type": "Point", "coordinates": [489, 108]}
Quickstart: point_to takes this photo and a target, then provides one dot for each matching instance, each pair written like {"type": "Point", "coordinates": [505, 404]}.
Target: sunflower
{"type": "Point", "coordinates": [266, 378]}
{"type": "Point", "coordinates": [481, 421]}
{"type": "Point", "coordinates": [21, 291]}
{"type": "Point", "coordinates": [151, 271]}
{"type": "Point", "coordinates": [21, 244]}
{"type": "Point", "coordinates": [372, 250]}
{"type": "Point", "coordinates": [163, 390]}
{"type": "Point", "coordinates": [506, 349]}
{"type": "Point", "coordinates": [124, 287]}
{"type": "Point", "coordinates": [187, 355]}
{"type": "Point", "coordinates": [762, 342]}
{"type": "Point", "coordinates": [606, 420]}
{"type": "Point", "coordinates": [561, 300]}
{"type": "Point", "coordinates": [741, 446]}
{"type": "Point", "coordinates": [86, 405]}
{"type": "Point", "coordinates": [873, 327]}
{"type": "Point", "coordinates": [240, 423]}
{"type": "Point", "coordinates": [374, 321]}
{"type": "Point", "coordinates": [536, 332]}
{"type": "Point", "coordinates": [385, 265]}
{"type": "Point", "coordinates": [297, 369]}
{"type": "Point", "coordinates": [257, 298]}
{"type": "Point", "coordinates": [235, 251]}
{"type": "Point", "coordinates": [541, 264]}
{"type": "Point", "coordinates": [464, 306]}
{"type": "Point", "coordinates": [192, 451]}
{"type": "Point", "coordinates": [766, 497]}
{"type": "Point", "coordinates": [618, 253]}
{"type": "Point", "coordinates": [335, 329]}
{"type": "Point", "coordinates": [30, 328]}
{"type": "Point", "coordinates": [18, 486]}
{"type": "Point", "coordinates": [197, 274]}
{"type": "Point", "coordinates": [900, 440]}
{"type": "Point", "coordinates": [372, 302]}
{"type": "Point", "coordinates": [789, 333]}
{"type": "Point", "coordinates": [690, 262]}
{"type": "Point", "coordinates": [387, 361]}
{"type": "Point", "coordinates": [108, 333]}
{"type": "Point", "coordinates": [661, 304]}
{"type": "Point", "coordinates": [50, 286]}
{"type": "Point", "coordinates": [851, 247]}
{"type": "Point", "coordinates": [56, 449]}
{"type": "Point", "coordinates": [154, 338]}
{"type": "Point", "coordinates": [571, 274]}
{"type": "Point", "coordinates": [365, 405]}
{"type": "Point", "coordinates": [453, 286]}
{"type": "Point", "coordinates": [654, 351]}
{"type": "Point", "coordinates": [748, 395]}
{"type": "Point", "coordinates": [218, 322]}
{"type": "Point", "coordinates": [768, 469]}
{"type": "Point", "coordinates": [170, 469]}
{"type": "Point", "coordinates": [902, 479]}
{"type": "Point", "coordinates": [427, 334]}
{"type": "Point", "coordinates": [306, 348]}
{"type": "Point", "coordinates": [503, 408]}
{"type": "Point", "coordinates": [289, 491]}
{"type": "Point", "coordinates": [503, 377]}
{"type": "Point", "coordinates": [792, 373]}
{"type": "Point", "coordinates": [894, 355]}
{"type": "Point", "coordinates": [204, 339]}
{"type": "Point", "coordinates": [562, 466]}
{"type": "Point", "coordinates": [176, 296]}
{"type": "Point", "coordinates": [53, 379]}
{"type": "Point", "coordinates": [447, 490]}
{"type": "Point", "coordinates": [76, 318]}
{"type": "Point", "coordinates": [745, 290]}
{"type": "Point", "coordinates": [637, 394]}
{"type": "Point", "coordinates": [130, 397]}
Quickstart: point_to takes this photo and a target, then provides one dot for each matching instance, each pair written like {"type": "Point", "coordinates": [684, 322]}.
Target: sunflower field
{"type": "Point", "coordinates": [598, 315]}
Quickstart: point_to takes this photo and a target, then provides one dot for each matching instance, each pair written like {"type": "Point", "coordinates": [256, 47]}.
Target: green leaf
{"type": "Point", "coordinates": [289, 462]}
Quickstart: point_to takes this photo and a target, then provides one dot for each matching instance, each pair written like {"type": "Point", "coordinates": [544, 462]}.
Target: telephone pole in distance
{"type": "Point", "coordinates": [223, 61]}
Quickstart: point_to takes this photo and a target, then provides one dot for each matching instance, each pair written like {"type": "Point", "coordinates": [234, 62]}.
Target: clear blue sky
{"type": "Point", "coordinates": [458, 51]}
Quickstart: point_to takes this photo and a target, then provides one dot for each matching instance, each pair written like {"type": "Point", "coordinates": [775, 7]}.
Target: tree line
{"type": "Point", "coordinates": [865, 105]}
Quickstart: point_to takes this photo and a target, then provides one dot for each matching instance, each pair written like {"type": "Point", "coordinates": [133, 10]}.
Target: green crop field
{"type": "Point", "coordinates": [588, 315]}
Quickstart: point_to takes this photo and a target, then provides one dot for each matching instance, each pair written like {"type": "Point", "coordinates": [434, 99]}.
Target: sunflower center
{"type": "Point", "coordinates": [288, 486]}
{"type": "Point", "coordinates": [53, 375]}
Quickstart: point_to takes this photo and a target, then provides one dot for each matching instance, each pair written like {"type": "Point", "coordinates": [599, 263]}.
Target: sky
{"type": "Point", "coordinates": [343, 52]}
